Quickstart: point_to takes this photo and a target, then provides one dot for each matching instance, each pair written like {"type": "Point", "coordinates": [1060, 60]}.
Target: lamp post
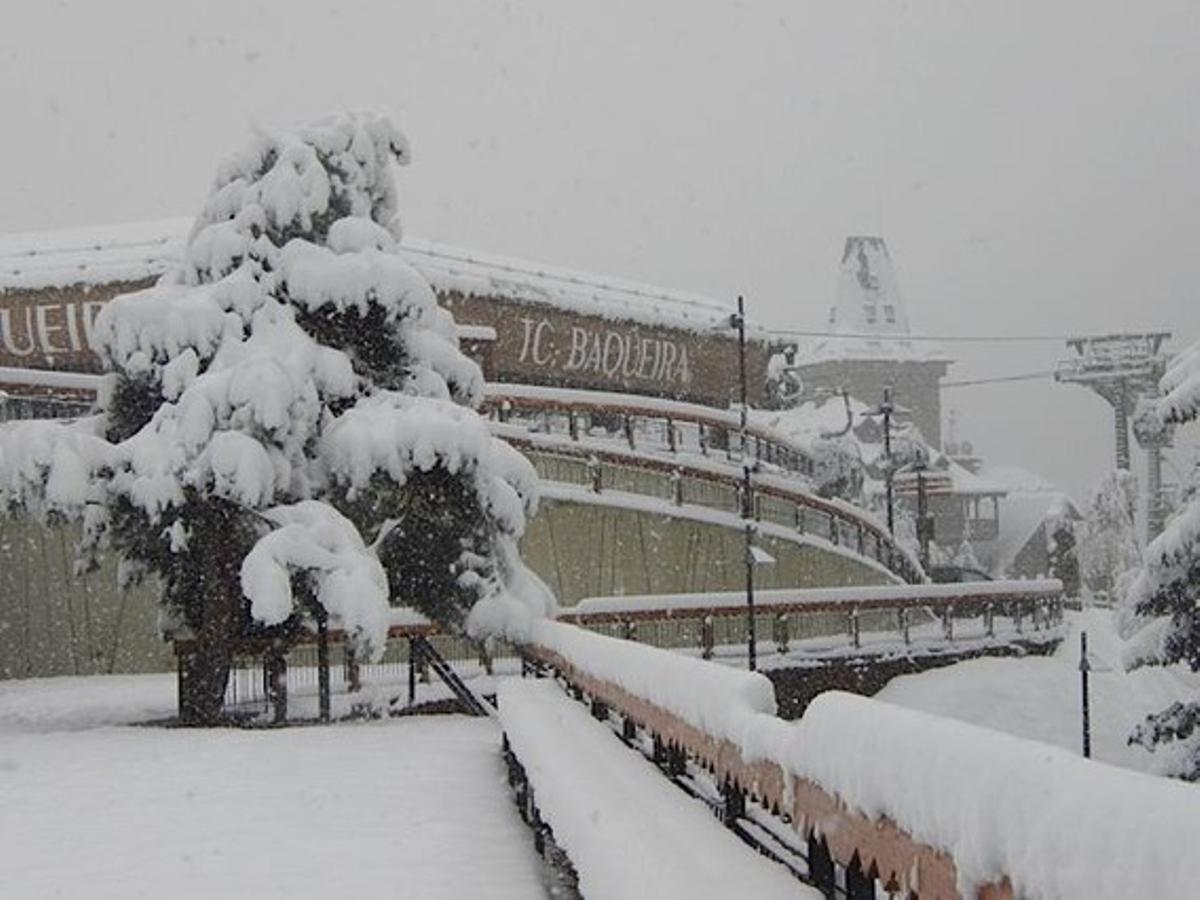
{"type": "Point", "coordinates": [738, 321]}
{"type": "Point", "coordinates": [886, 408]}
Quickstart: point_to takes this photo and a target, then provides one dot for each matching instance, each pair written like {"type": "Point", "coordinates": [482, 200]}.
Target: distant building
{"type": "Point", "coordinates": [1033, 508]}
{"type": "Point", "coordinates": [871, 347]}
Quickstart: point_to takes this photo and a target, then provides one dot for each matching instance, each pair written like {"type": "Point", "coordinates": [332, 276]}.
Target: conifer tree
{"type": "Point", "coordinates": [1159, 617]}
{"type": "Point", "coordinates": [288, 429]}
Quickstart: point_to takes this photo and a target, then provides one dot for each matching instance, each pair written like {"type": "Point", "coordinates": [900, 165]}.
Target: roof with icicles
{"type": "Point", "coordinates": [868, 319]}
{"type": "Point", "coordinates": [137, 251]}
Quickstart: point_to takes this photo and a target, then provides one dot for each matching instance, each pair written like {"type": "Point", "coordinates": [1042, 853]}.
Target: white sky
{"type": "Point", "coordinates": [1031, 165]}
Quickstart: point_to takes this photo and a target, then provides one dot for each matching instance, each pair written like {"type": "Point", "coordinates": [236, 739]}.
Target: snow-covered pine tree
{"type": "Point", "coordinates": [1108, 543]}
{"type": "Point", "coordinates": [289, 426]}
{"type": "Point", "coordinates": [1063, 556]}
{"type": "Point", "coordinates": [1159, 616]}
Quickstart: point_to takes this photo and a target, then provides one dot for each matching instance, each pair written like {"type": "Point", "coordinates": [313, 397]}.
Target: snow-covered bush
{"type": "Point", "coordinates": [288, 426]}
{"type": "Point", "coordinates": [1159, 616]}
{"type": "Point", "coordinates": [1108, 544]}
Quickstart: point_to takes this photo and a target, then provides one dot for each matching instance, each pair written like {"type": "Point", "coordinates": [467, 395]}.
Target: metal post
{"type": "Point", "coordinates": [923, 523]}
{"type": "Point", "coordinates": [1084, 667]}
{"type": "Point", "coordinates": [885, 409]}
{"type": "Point", "coordinates": [323, 699]}
{"type": "Point", "coordinates": [413, 652]}
{"type": "Point", "coordinates": [741, 329]}
{"type": "Point", "coordinates": [751, 648]}
{"type": "Point", "coordinates": [1121, 422]}
{"type": "Point", "coordinates": [739, 322]}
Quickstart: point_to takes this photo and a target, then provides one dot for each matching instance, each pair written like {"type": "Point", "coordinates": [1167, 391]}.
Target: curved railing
{"type": "Point", "coordinates": [708, 484]}
{"type": "Point", "coordinates": [669, 425]}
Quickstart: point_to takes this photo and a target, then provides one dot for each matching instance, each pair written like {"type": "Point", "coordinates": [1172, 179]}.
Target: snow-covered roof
{"type": "Point", "coordinates": [136, 251]}
{"type": "Point", "coordinates": [94, 255]}
{"type": "Point", "coordinates": [869, 311]}
{"type": "Point", "coordinates": [965, 481]}
{"type": "Point", "coordinates": [1018, 480]}
{"type": "Point", "coordinates": [1021, 514]}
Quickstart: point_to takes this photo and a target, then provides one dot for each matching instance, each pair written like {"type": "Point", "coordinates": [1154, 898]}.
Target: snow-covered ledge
{"type": "Point", "coordinates": [943, 808]}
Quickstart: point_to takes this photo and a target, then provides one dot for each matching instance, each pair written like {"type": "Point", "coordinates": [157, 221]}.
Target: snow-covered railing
{"type": "Point", "coordinates": [907, 614]}
{"type": "Point", "coordinates": [713, 485]}
{"type": "Point", "coordinates": [910, 803]}
{"type": "Point", "coordinates": [669, 425]}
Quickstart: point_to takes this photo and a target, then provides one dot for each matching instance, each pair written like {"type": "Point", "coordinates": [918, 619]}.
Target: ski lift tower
{"type": "Point", "coordinates": [1120, 368]}
{"type": "Point", "coordinates": [1125, 369]}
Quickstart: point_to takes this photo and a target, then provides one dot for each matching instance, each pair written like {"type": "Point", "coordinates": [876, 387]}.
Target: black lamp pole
{"type": "Point", "coordinates": [739, 322]}
{"type": "Point", "coordinates": [886, 409]}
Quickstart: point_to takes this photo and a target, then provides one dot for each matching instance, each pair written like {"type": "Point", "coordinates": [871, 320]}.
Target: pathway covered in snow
{"type": "Point", "coordinates": [412, 807]}
{"type": "Point", "coordinates": [1039, 697]}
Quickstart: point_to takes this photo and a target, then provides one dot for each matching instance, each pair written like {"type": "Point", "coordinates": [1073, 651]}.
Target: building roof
{"type": "Point", "coordinates": [869, 315]}
{"type": "Point", "coordinates": [1021, 515]}
{"type": "Point", "coordinates": [137, 251]}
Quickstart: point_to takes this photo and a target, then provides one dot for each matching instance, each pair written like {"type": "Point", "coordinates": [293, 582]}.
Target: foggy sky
{"type": "Point", "coordinates": [1031, 165]}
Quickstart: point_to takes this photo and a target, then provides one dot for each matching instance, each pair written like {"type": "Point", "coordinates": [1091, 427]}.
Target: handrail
{"type": "Point", "coordinates": [874, 848]}
{"type": "Point", "coordinates": [863, 531]}
{"type": "Point", "coordinates": [976, 599]}
{"type": "Point", "coordinates": [769, 446]}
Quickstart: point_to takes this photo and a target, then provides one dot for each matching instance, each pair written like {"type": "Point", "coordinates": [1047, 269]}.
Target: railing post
{"type": "Point", "coordinates": [599, 710]}
{"type": "Point", "coordinates": [859, 883]}
{"type": "Point", "coordinates": [862, 540]}
{"type": "Point", "coordinates": [703, 439]}
{"type": "Point", "coordinates": [671, 442]}
{"type": "Point", "coordinates": [413, 652]}
{"type": "Point", "coordinates": [1017, 611]}
{"type": "Point", "coordinates": [833, 529]}
{"type": "Point", "coordinates": [707, 637]}
{"type": "Point", "coordinates": [820, 864]}
{"type": "Point", "coordinates": [855, 637]}
{"type": "Point", "coordinates": [353, 674]}
{"type": "Point", "coordinates": [629, 432]}
{"type": "Point", "coordinates": [798, 511]}
{"type": "Point", "coordinates": [595, 474]}
{"type": "Point", "coordinates": [573, 424]}
{"type": "Point", "coordinates": [324, 701]}
{"type": "Point", "coordinates": [735, 803]}
{"type": "Point", "coordinates": [782, 629]}
{"type": "Point", "coordinates": [989, 619]}
{"type": "Point", "coordinates": [902, 618]}
{"type": "Point", "coordinates": [275, 675]}
{"type": "Point", "coordinates": [948, 621]}
{"type": "Point", "coordinates": [677, 487]}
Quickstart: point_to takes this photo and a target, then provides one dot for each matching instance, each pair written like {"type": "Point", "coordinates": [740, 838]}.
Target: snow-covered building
{"type": "Point", "coordinates": [1033, 507]}
{"type": "Point", "coordinates": [525, 322]}
{"type": "Point", "coordinates": [871, 346]}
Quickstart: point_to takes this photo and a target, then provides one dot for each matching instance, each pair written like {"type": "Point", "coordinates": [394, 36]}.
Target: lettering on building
{"type": "Point", "coordinates": [49, 334]}
{"type": "Point", "coordinates": [620, 355]}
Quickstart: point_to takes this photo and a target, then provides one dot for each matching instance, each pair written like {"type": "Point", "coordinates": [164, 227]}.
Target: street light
{"type": "Point", "coordinates": [738, 321]}
{"type": "Point", "coordinates": [886, 408]}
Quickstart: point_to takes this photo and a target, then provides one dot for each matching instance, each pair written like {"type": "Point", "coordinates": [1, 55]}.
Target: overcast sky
{"type": "Point", "coordinates": [1032, 165]}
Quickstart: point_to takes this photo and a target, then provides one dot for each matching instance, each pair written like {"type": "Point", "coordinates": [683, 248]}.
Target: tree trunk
{"type": "Point", "coordinates": [204, 663]}
{"type": "Point", "coordinates": [203, 672]}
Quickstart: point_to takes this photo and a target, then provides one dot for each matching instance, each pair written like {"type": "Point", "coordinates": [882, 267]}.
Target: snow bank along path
{"type": "Point", "coordinates": [945, 808]}
{"type": "Point", "coordinates": [628, 831]}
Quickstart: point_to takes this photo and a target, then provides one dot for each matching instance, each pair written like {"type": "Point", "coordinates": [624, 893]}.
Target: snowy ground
{"type": "Point", "coordinates": [1039, 697]}
{"type": "Point", "coordinates": [414, 807]}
